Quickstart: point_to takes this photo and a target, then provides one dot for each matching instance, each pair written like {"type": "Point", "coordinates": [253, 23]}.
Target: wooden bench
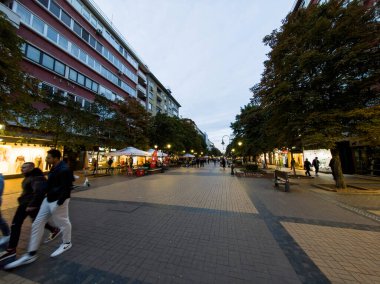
{"type": "Point", "coordinates": [281, 178]}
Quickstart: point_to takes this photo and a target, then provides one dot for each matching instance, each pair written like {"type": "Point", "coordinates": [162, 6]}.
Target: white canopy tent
{"type": "Point", "coordinates": [187, 155]}
{"type": "Point", "coordinates": [129, 151]}
{"type": "Point", "coordinates": [159, 153]}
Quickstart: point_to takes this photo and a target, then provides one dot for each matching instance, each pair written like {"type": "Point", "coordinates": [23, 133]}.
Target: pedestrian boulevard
{"type": "Point", "coordinates": [202, 225]}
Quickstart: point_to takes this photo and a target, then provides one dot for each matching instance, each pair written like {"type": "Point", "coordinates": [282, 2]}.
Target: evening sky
{"type": "Point", "coordinates": [208, 52]}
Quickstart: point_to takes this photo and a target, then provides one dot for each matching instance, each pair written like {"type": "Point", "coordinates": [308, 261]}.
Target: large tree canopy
{"type": "Point", "coordinates": [321, 84]}
{"type": "Point", "coordinates": [321, 80]}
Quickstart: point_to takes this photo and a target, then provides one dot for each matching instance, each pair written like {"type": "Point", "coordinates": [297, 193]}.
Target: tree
{"type": "Point", "coordinates": [132, 124]}
{"type": "Point", "coordinates": [321, 81]}
{"type": "Point", "coordinates": [15, 85]}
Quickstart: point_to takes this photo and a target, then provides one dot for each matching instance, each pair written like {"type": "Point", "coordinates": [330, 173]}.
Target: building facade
{"type": "Point", "coordinates": [74, 50]}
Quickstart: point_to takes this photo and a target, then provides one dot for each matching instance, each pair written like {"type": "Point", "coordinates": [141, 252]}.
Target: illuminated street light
{"type": "Point", "coordinates": [240, 143]}
{"type": "Point", "coordinates": [155, 147]}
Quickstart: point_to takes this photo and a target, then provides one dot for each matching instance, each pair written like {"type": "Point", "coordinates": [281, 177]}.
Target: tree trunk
{"type": "Point", "coordinates": [337, 170]}
{"type": "Point", "coordinates": [265, 160]}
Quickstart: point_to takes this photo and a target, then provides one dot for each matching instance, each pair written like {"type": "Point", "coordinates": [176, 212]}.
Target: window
{"type": "Point", "coordinates": [92, 41]}
{"type": "Point", "coordinates": [97, 66]}
{"type": "Point", "coordinates": [77, 29]}
{"type": "Point", "coordinates": [93, 21]}
{"type": "Point", "coordinates": [150, 106]}
{"type": "Point", "coordinates": [47, 61]}
{"type": "Point", "coordinates": [24, 14]}
{"type": "Point", "coordinates": [33, 53]}
{"type": "Point", "coordinates": [70, 97]}
{"type": "Point", "coordinates": [99, 47]}
{"type": "Point", "coordinates": [95, 87]}
{"type": "Point", "coordinates": [38, 25]}
{"type": "Point", "coordinates": [79, 100]}
{"type": "Point", "coordinates": [90, 61]}
{"type": "Point", "coordinates": [73, 74]}
{"type": "Point", "coordinates": [80, 79]}
{"type": "Point", "coordinates": [88, 83]}
{"type": "Point", "coordinates": [105, 52]}
{"type": "Point", "coordinates": [85, 35]}
{"type": "Point", "coordinates": [74, 50]}
{"type": "Point", "coordinates": [52, 34]}
{"type": "Point", "coordinates": [83, 56]}
{"type": "Point", "coordinates": [44, 2]}
{"type": "Point", "coordinates": [87, 105]}
{"type": "Point", "coordinates": [59, 67]}
{"type": "Point", "coordinates": [66, 19]}
{"type": "Point", "coordinates": [62, 42]}
{"type": "Point", "coordinates": [85, 13]}
{"type": "Point", "coordinates": [54, 8]}
{"type": "Point", "coordinates": [47, 89]}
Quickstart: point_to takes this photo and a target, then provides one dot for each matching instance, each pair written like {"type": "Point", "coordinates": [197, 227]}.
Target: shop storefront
{"type": "Point", "coordinates": [324, 157]}
{"type": "Point", "coordinates": [13, 155]}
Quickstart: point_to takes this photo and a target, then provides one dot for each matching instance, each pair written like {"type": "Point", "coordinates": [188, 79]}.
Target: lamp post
{"type": "Point", "coordinates": [229, 139]}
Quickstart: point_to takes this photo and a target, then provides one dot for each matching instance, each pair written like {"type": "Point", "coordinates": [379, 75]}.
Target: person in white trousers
{"type": "Point", "coordinates": [56, 206]}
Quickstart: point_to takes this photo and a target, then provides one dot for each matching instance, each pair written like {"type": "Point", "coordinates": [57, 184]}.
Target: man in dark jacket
{"type": "Point", "coordinates": [307, 166]}
{"type": "Point", "coordinates": [33, 192]}
{"type": "Point", "coordinates": [55, 205]}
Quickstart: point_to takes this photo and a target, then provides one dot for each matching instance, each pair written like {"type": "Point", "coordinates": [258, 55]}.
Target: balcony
{"type": "Point", "coordinates": [13, 18]}
{"type": "Point", "coordinates": [141, 89]}
{"type": "Point", "coordinates": [141, 75]}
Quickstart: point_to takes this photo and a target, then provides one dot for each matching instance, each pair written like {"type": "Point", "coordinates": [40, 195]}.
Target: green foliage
{"type": "Point", "coordinates": [320, 83]}
{"type": "Point", "coordinates": [180, 134]}
{"type": "Point", "coordinates": [15, 86]}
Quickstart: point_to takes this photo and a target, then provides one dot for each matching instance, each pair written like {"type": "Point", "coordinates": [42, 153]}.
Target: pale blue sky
{"type": "Point", "coordinates": [209, 52]}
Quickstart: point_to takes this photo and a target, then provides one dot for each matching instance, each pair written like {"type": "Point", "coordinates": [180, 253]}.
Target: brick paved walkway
{"type": "Point", "coordinates": [206, 226]}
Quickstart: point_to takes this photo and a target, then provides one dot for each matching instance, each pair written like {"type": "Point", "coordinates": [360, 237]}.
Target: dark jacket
{"type": "Point", "coordinates": [34, 187]}
{"type": "Point", "coordinates": [60, 183]}
{"type": "Point", "coordinates": [307, 165]}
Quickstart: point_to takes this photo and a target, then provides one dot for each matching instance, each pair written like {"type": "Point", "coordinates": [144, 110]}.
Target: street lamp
{"type": "Point", "coordinates": [240, 143]}
{"type": "Point", "coordinates": [229, 139]}
{"type": "Point", "coordinates": [155, 147]}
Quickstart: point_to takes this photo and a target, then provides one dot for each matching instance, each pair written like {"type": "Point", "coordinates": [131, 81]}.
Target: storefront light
{"type": "Point", "coordinates": [2, 126]}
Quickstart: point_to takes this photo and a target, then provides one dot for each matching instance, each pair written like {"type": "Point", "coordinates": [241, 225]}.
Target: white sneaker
{"type": "Point", "coordinates": [62, 248]}
{"type": "Point", "coordinates": [25, 259]}
{"type": "Point", "coordinates": [4, 240]}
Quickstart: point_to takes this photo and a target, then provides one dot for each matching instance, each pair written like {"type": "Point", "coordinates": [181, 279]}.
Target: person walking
{"type": "Point", "coordinates": [315, 164]}
{"type": "Point", "coordinates": [33, 192]}
{"type": "Point", "coordinates": [55, 205]}
{"type": "Point", "coordinates": [293, 165]}
{"type": "Point", "coordinates": [3, 224]}
{"type": "Point", "coordinates": [307, 166]}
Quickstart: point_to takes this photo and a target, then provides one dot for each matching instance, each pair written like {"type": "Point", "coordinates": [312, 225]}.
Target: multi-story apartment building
{"type": "Point", "coordinates": [73, 49]}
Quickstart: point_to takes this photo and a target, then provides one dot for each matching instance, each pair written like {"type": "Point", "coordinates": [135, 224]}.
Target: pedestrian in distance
{"type": "Point", "coordinates": [223, 163]}
{"type": "Point", "coordinates": [315, 164]}
{"type": "Point", "coordinates": [307, 166]}
{"type": "Point", "coordinates": [34, 187]}
{"type": "Point", "coordinates": [109, 162]}
{"type": "Point", "coordinates": [55, 205]}
{"type": "Point", "coordinates": [293, 164]}
{"type": "Point", "coordinates": [95, 166]}
{"type": "Point", "coordinates": [3, 224]}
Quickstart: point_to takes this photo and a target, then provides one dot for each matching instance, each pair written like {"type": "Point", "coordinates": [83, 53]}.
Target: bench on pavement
{"type": "Point", "coordinates": [281, 178]}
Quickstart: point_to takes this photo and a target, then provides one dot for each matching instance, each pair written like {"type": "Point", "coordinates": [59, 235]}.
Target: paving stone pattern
{"type": "Point", "coordinates": [205, 226]}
